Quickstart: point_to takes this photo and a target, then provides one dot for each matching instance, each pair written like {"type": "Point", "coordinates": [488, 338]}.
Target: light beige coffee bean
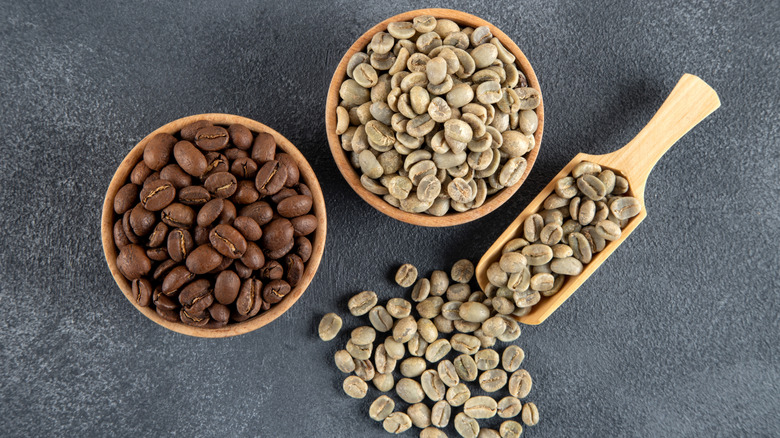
{"type": "Point", "coordinates": [460, 94]}
{"type": "Point", "coordinates": [515, 245]}
{"type": "Point", "coordinates": [537, 254]}
{"type": "Point", "coordinates": [443, 325]}
{"type": "Point", "coordinates": [344, 361]}
{"type": "Point", "coordinates": [409, 390]}
{"type": "Point", "coordinates": [466, 426]}
{"type": "Point", "coordinates": [474, 312]}
{"type": "Point", "coordinates": [437, 350]}
{"type": "Point", "coordinates": [607, 178]}
{"type": "Point", "coordinates": [530, 414]}
{"type": "Point", "coordinates": [399, 308]}
{"type": "Point", "coordinates": [486, 359]}
{"type": "Point", "coordinates": [397, 422]}
{"type": "Point", "coordinates": [587, 211]}
{"type": "Point", "coordinates": [512, 358]}
{"type": "Point", "coordinates": [460, 191]}
{"type": "Point", "coordinates": [512, 331]}
{"type": "Point", "coordinates": [592, 187]}
{"type": "Point", "coordinates": [532, 227]}
{"type": "Point", "coordinates": [440, 413]}
{"type": "Point", "coordinates": [465, 326]}
{"type": "Point", "coordinates": [430, 307]}
{"type": "Point", "coordinates": [458, 394]}
{"type": "Point", "coordinates": [342, 120]}
{"type": "Point", "coordinates": [512, 171]}
{"type": "Point", "coordinates": [551, 234]}
{"type": "Point", "coordinates": [566, 266]}
{"type": "Point", "coordinates": [520, 384]}
{"type": "Point", "coordinates": [621, 186]}
{"type": "Point", "coordinates": [417, 345]}
{"type": "Point", "coordinates": [465, 367]}
{"type": "Point", "coordinates": [406, 275]}
{"type": "Point", "coordinates": [381, 408]}
{"type": "Point", "coordinates": [552, 217]}
{"type": "Point", "coordinates": [394, 349]}
{"type": "Point", "coordinates": [424, 23]}
{"type": "Point", "coordinates": [580, 247]}
{"type": "Point", "coordinates": [494, 326]}
{"type": "Point", "coordinates": [420, 414]}
{"type": "Point", "coordinates": [465, 344]}
{"type": "Point", "coordinates": [561, 251]}
{"type": "Point", "coordinates": [585, 167]}
{"type": "Point", "coordinates": [439, 283]}
{"type": "Point", "coordinates": [485, 341]}
{"type": "Point", "coordinates": [355, 387]}
{"type": "Point", "coordinates": [510, 429]}
{"type": "Point", "coordinates": [528, 122]}
{"type": "Point", "coordinates": [542, 282]}
{"type": "Point", "coordinates": [496, 275]}
{"type": "Point", "coordinates": [412, 367]}
{"type": "Point", "coordinates": [380, 319]}
{"type": "Point", "coordinates": [399, 187]}
{"type": "Point", "coordinates": [480, 407]}
{"type": "Point", "coordinates": [492, 380]}
{"type": "Point", "coordinates": [450, 310]}
{"type": "Point", "coordinates": [462, 271]}
{"type": "Point", "coordinates": [432, 432]}
{"type": "Point", "coordinates": [365, 369]}
{"type": "Point", "coordinates": [363, 335]}
{"type": "Point", "coordinates": [330, 325]}
{"type": "Point", "coordinates": [512, 262]}
{"type": "Point", "coordinates": [509, 407]}
{"type": "Point", "coordinates": [419, 98]}
{"type": "Point", "coordinates": [488, 433]}
{"type": "Point", "coordinates": [484, 55]}
{"type": "Point", "coordinates": [372, 186]}
{"type": "Point", "coordinates": [432, 385]}
{"type": "Point", "coordinates": [436, 70]}
{"type": "Point", "coordinates": [427, 330]}
{"type": "Point", "coordinates": [369, 165]}
{"type": "Point", "coordinates": [428, 189]}
{"type": "Point", "coordinates": [624, 207]}
{"type": "Point", "coordinates": [447, 373]}
{"type": "Point", "coordinates": [608, 230]}
{"type": "Point", "coordinates": [527, 298]}
{"type": "Point", "coordinates": [359, 352]}
{"type": "Point", "coordinates": [404, 329]}
{"type": "Point", "coordinates": [384, 363]}
{"type": "Point", "coordinates": [449, 159]}
{"type": "Point", "coordinates": [383, 382]}
{"type": "Point", "coordinates": [528, 98]}
{"type": "Point", "coordinates": [401, 30]}
{"type": "Point", "coordinates": [365, 75]}
{"type": "Point", "coordinates": [362, 303]}
{"type": "Point", "coordinates": [458, 292]}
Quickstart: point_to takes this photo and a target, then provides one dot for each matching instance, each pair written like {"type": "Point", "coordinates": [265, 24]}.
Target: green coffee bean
{"type": "Point", "coordinates": [380, 319]}
{"type": "Point", "coordinates": [510, 429]}
{"type": "Point", "coordinates": [405, 329]}
{"type": "Point", "coordinates": [427, 330]}
{"type": "Point", "coordinates": [458, 394]}
{"type": "Point", "coordinates": [430, 307]}
{"type": "Point", "coordinates": [530, 414]}
{"type": "Point", "coordinates": [397, 422]}
{"type": "Point", "coordinates": [384, 363]}
{"type": "Point", "coordinates": [466, 426]}
{"type": "Point", "coordinates": [509, 407]}
{"type": "Point", "coordinates": [399, 308]}
{"type": "Point", "coordinates": [465, 344]}
{"type": "Point", "coordinates": [585, 167]}
{"type": "Point", "coordinates": [394, 349]}
{"type": "Point", "coordinates": [365, 369]}
{"type": "Point", "coordinates": [432, 385]}
{"type": "Point", "coordinates": [625, 207]}
{"type": "Point", "coordinates": [465, 367]}
{"type": "Point", "coordinates": [381, 408]}
{"type": "Point", "coordinates": [344, 361]}
{"type": "Point", "coordinates": [439, 283]}
{"type": "Point", "coordinates": [355, 387]}
{"type": "Point", "coordinates": [492, 380]}
{"type": "Point", "coordinates": [437, 350]}
{"type": "Point", "coordinates": [566, 266]}
{"type": "Point", "coordinates": [494, 326]}
{"type": "Point", "coordinates": [420, 414]}
{"type": "Point", "coordinates": [432, 432]}
{"type": "Point", "coordinates": [409, 390]}
{"type": "Point", "coordinates": [512, 358]}
{"type": "Point", "coordinates": [359, 352]}
{"type": "Point", "coordinates": [480, 407]}
{"type": "Point", "coordinates": [417, 345]}
{"type": "Point", "coordinates": [520, 384]}
{"type": "Point", "coordinates": [465, 326]}
{"type": "Point", "coordinates": [330, 325]}
{"type": "Point", "coordinates": [486, 359]}
{"type": "Point", "coordinates": [440, 413]}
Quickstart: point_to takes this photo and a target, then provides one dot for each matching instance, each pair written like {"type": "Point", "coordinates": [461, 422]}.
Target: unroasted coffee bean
{"type": "Point", "coordinates": [432, 385]}
{"type": "Point", "coordinates": [355, 387]}
{"type": "Point", "coordinates": [520, 384]}
{"type": "Point", "coordinates": [512, 358]}
{"type": "Point", "coordinates": [380, 319]}
{"type": "Point", "coordinates": [381, 408]}
{"type": "Point", "coordinates": [511, 429]}
{"type": "Point", "coordinates": [462, 271]}
{"type": "Point", "coordinates": [437, 350]}
{"type": "Point", "coordinates": [464, 343]}
{"type": "Point", "coordinates": [275, 290]}
{"type": "Point", "coordinates": [404, 329]}
{"type": "Point", "coordinates": [397, 422]}
{"type": "Point", "coordinates": [530, 414]}
{"type": "Point", "coordinates": [203, 259]}
{"type": "Point", "coordinates": [492, 380]}
{"type": "Point", "coordinates": [486, 359]}
{"type": "Point", "coordinates": [399, 308]}
{"type": "Point", "coordinates": [465, 367]}
{"type": "Point", "coordinates": [277, 234]}
{"type": "Point", "coordinates": [509, 407]}
{"type": "Point", "coordinates": [228, 241]}
{"type": "Point", "coordinates": [466, 426]}
{"type": "Point", "coordinates": [344, 361]}
{"type": "Point", "coordinates": [480, 407]}
{"type": "Point", "coordinates": [409, 390]}
{"type": "Point", "coordinates": [474, 312]}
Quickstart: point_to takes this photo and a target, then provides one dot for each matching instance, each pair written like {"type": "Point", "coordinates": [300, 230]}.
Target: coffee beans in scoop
{"type": "Point", "coordinates": [212, 225]}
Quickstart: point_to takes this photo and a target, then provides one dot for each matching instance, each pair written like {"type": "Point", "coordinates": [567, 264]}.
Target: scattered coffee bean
{"type": "Point", "coordinates": [355, 387]}
{"type": "Point", "coordinates": [530, 414]}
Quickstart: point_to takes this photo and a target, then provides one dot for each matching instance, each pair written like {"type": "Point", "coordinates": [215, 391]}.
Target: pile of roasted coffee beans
{"type": "Point", "coordinates": [439, 355]}
{"type": "Point", "coordinates": [212, 225]}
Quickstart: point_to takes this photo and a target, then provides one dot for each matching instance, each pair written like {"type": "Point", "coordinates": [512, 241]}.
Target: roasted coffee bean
{"type": "Point", "coordinates": [197, 296]}
{"type": "Point", "coordinates": [293, 174]}
{"type": "Point", "coordinates": [228, 241]}
{"type": "Point", "coordinates": [304, 225]}
{"type": "Point", "coordinates": [194, 195]}
{"type": "Point", "coordinates": [125, 198]}
{"type": "Point", "coordinates": [142, 292]}
{"type": "Point", "coordinates": [226, 287]}
{"type": "Point", "coordinates": [303, 248]}
{"type": "Point", "coordinates": [175, 279]}
{"type": "Point", "coordinates": [203, 259]}
{"type": "Point", "coordinates": [140, 172]}
{"type": "Point", "coordinates": [228, 214]}
{"type": "Point", "coordinates": [264, 148]}
{"type": "Point", "coordinates": [294, 206]}
{"type": "Point", "coordinates": [158, 150]}
{"type": "Point", "coordinates": [272, 270]}
{"type": "Point", "coordinates": [190, 158]}
{"type": "Point", "coordinates": [248, 228]}
{"type": "Point", "coordinates": [120, 238]}
{"type": "Point", "coordinates": [212, 138]}
{"type": "Point", "coordinates": [157, 195]}
{"type": "Point", "coordinates": [246, 193]}
{"type": "Point", "coordinates": [178, 215]}
{"type": "Point", "coordinates": [219, 312]}
{"type": "Point", "coordinates": [277, 234]}
{"type": "Point", "coordinates": [271, 178]}
{"type": "Point", "coordinates": [294, 267]}
{"type": "Point", "coordinates": [275, 290]}
{"type": "Point", "coordinates": [240, 135]}
{"type": "Point", "coordinates": [260, 211]}
{"type": "Point", "coordinates": [158, 236]}
{"type": "Point", "coordinates": [188, 132]}
{"type": "Point", "coordinates": [233, 154]}
{"type": "Point", "coordinates": [163, 268]}
{"type": "Point", "coordinates": [216, 163]}
{"type": "Point", "coordinates": [166, 314]}
{"type": "Point", "coordinates": [253, 257]}
{"type": "Point", "coordinates": [194, 319]}
{"type": "Point", "coordinates": [221, 184]}
{"type": "Point", "coordinates": [157, 254]}
{"type": "Point", "coordinates": [242, 270]}
{"type": "Point", "coordinates": [180, 243]}
{"type": "Point", "coordinates": [142, 220]}
{"type": "Point", "coordinates": [283, 194]}
{"type": "Point", "coordinates": [249, 298]}
{"type": "Point", "coordinates": [133, 262]}
{"type": "Point", "coordinates": [176, 175]}
{"type": "Point", "coordinates": [244, 168]}
{"type": "Point", "coordinates": [210, 212]}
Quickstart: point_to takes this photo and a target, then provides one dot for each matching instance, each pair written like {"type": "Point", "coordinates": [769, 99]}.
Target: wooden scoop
{"type": "Point", "coordinates": [689, 103]}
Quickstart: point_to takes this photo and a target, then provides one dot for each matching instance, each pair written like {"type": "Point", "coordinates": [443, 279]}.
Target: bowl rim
{"type": "Point", "coordinates": [308, 176]}
{"type": "Point", "coordinates": [350, 174]}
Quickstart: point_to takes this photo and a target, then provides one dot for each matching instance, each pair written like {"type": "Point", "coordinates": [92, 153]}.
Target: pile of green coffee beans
{"type": "Point", "coordinates": [587, 210]}
{"type": "Point", "coordinates": [435, 116]}
{"type": "Point", "coordinates": [441, 350]}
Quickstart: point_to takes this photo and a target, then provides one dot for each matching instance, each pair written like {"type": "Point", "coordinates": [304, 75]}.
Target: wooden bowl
{"type": "Point", "coordinates": [318, 242]}
{"type": "Point", "coordinates": [352, 176]}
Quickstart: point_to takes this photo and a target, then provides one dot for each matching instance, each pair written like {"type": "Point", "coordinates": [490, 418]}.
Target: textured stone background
{"type": "Point", "coordinates": [675, 336]}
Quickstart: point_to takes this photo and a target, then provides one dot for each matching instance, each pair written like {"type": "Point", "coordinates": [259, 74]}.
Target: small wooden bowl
{"type": "Point", "coordinates": [318, 243]}
{"type": "Point", "coordinates": [352, 176]}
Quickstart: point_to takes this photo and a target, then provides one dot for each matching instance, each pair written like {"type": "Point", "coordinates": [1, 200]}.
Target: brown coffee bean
{"type": "Point", "coordinates": [242, 270]}
{"type": "Point", "coordinates": [260, 211]}
{"type": "Point", "coordinates": [189, 158]}
{"type": "Point", "coordinates": [133, 262]}
{"type": "Point", "coordinates": [203, 259]}
{"type": "Point", "coordinates": [142, 292]}
{"type": "Point", "coordinates": [303, 189]}
{"type": "Point", "coordinates": [140, 172]}
{"type": "Point", "coordinates": [200, 235]}
{"type": "Point", "coordinates": [281, 252]}
{"type": "Point", "coordinates": [246, 193]}
{"type": "Point", "coordinates": [294, 206]}
{"type": "Point", "coordinates": [253, 257]}
{"type": "Point", "coordinates": [154, 176]}
{"type": "Point", "coordinates": [303, 248]}
{"type": "Point", "coordinates": [240, 135]}
{"type": "Point", "coordinates": [227, 262]}
{"type": "Point", "coordinates": [179, 244]}
{"type": "Point", "coordinates": [158, 236]}
{"type": "Point", "coordinates": [157, 195]}
{"type": "Point", "coordinates": [244, 168]}
{"type": "Point", "coordinates": [125, 198]}
{"type": "Point", "coordinates": [168, 315]}
{"type": "Point", "coordinates": [277, 234]}
{"type": "Point", "coordinates": [194, 319]}
{"type": "Point", "coordinates": [188, 132]}
{"type": "Point", "coordinates": [128, 230]}
{"type": "Point", "coordinates": [275, 290]}
{"type": "Point", "coordinates": [271, 178]}
{"type": "Point", "coordinates": [226, 287]}
{"type": "Point", "coordinates": [228, 214]}
{"type": "Point", "coordinates": [212, 138]}
{"type": "Point", "coordinates": [221, 184]}
{"type": "Point", "coordinates": [120, 239]}
{"type": "Point", "coordinates": [158, 150]}
{"type": "Point", "coordinates": [248, 228]}
{"type": "Point", "coordinates": [194, 195]}
{"type": "Point", "coordinates": [264, 148]}
{"type": "Point", "coordinates": [142, 220]}
{"type": "Point", "coordinates": [210, 212]}
{"type": "Point", "coordinates": [176, 278]}
{"type": "Point", "coordinates": [219, 312]}
{"type": "Point", "coordinates": [249, 298]}
{"type": "Point", "coordinates": [283, 194]}
{"type": "Point", "coordinates": [295, 268]}
{"type": "Point", "coordinates": [163, 269]}
{"type": "Point", "coordinates": [233, 154]}
{"type": "Point", "coordinates": [178, 215]}
{"type": "Point", "coordinates": [293, 174]}
{"type": "Point", "coordinates": [228, 241]}
{"type": "Point", "coordinates": [196, 295]}
{"type": "Point", "coordinates": [272, 270]}
{"type": "Point", "coordinates": [217, 163]}
{"type": "Point", "coordinates": [176, 175]}
{"type": "Point", "coordinates": [157, 254]}
{"type": "Point", "coordinates": [304, 225]}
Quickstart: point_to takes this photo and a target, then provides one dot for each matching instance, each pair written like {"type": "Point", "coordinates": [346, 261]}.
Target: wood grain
{"type": "Point", "coordinates": [351, 175]}
{"type": "Point", "coordinates": [689, 103]}
{"type": "Point", "coordinates": [318, 242]}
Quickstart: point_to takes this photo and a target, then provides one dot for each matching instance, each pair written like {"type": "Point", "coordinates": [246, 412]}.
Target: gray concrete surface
{"type": "Point", "coordinates": [675, 336]}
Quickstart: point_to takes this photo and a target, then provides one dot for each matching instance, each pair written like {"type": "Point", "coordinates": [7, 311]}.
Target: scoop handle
{"type": "Point", "coordinates": [690, 102]}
